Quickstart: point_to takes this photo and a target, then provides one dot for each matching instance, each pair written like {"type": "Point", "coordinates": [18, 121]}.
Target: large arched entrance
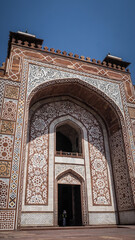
{"type": "Point", "coordinates": [103, 165]}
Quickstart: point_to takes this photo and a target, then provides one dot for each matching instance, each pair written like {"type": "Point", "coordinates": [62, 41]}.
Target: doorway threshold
{"type": "Point", "coordinates": [67, 227]}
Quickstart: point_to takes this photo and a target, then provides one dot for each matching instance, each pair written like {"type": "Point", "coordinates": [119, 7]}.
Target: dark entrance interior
{"type": "Point", "coordinates": [69, 199]}
{"type": "Point", "coordinates": [68, 139]}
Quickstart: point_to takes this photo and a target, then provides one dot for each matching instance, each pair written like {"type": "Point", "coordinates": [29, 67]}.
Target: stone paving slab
{"type": "Point", "coordinates": [118, 233]}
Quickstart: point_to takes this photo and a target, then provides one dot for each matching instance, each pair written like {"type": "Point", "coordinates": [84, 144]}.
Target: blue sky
{"type": "Point", "coordinates": [92, 28]}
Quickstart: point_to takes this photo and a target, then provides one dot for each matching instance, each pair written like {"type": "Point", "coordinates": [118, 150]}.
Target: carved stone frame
{"type": "Point", "coordinates": [81, 182]}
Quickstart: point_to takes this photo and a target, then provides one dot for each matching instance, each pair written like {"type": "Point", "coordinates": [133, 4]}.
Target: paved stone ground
{"type": "Point", "coordinates": [120, 233]}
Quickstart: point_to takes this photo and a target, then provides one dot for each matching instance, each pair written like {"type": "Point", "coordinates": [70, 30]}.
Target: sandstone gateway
{"type": "Point", "coordinates": [67, 136]}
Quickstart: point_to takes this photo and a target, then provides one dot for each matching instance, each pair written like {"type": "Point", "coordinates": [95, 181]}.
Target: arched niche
{"type": "Point", "coordinates": [111, 115]}
{"type": "Point", "coordinates": [68, 139]}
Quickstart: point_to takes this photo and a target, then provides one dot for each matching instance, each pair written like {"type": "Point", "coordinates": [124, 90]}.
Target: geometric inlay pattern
{"type": "Point", "coordinates": [133, 128]}
{"type": "Point", "coordinates": [98, 166]}
{"type": "Point", "coordinates": [109, 88]}
{"type": "Point", "coordinates": [17, 142]}
{"type": "Point", "coordinates": [3, 192]}
{"type": "Point", "coordinates": [69, 179]}
{"type": "Point", "coordinates": [121, 173]}
{"type": "Point", "coordinates": [5, 169]}
{"type": "Point", "coordinates": [11, 92]}
{"type": "Point", "coordinates": [39, 74]}
{"type": "Point", "coordinates": [7, 220]}
{"type": "Point", "coordinates": [2, 82]}
{"type": "Point", "coordinates": [38, 152]}
{"type": "Point", "coordinates": [6, 146]}
{"type": "Point", "coordinates": [59, 168]}
{"type": "Point", "coordinates": [38, 165]}
{"type": "Point", "coordinates": [9, 109]}
{"type": "Point", "coordinates": [7, 127]}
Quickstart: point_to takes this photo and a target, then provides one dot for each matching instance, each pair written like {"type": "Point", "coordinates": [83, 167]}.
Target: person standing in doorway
{"type": "Point", "coordinates": [64, 216]}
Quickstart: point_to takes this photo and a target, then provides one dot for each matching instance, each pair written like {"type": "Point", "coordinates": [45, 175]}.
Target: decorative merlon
{"type": "Point", "coordinates": [30, 41]}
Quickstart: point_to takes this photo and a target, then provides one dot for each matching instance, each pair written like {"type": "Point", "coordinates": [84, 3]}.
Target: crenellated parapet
{"type": "Point", "coordinates": [24, 39]}
{"type": "Point", "coordinates": [30, 41]}
{"type": "Point", "coordinates": [26, 46]}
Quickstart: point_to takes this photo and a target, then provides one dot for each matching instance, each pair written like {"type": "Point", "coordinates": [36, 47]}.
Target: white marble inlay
{"type": "Point", "coordinates": [38, 219]}
{"type": "Point", "coordinates": [40, 74]}
{"type": "Point", "coordinates": [67, 160]}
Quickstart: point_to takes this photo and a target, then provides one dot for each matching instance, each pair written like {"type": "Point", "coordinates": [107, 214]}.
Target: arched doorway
{"type": "Point", "coordinates": [70, 194]}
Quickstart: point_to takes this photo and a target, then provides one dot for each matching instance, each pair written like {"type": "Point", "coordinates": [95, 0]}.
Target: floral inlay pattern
{"type": "Point", "coordinates": [37, 186]}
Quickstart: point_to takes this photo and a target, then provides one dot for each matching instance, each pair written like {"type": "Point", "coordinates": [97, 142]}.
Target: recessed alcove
{"type": "Point", "coordinates": [68, 140]}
